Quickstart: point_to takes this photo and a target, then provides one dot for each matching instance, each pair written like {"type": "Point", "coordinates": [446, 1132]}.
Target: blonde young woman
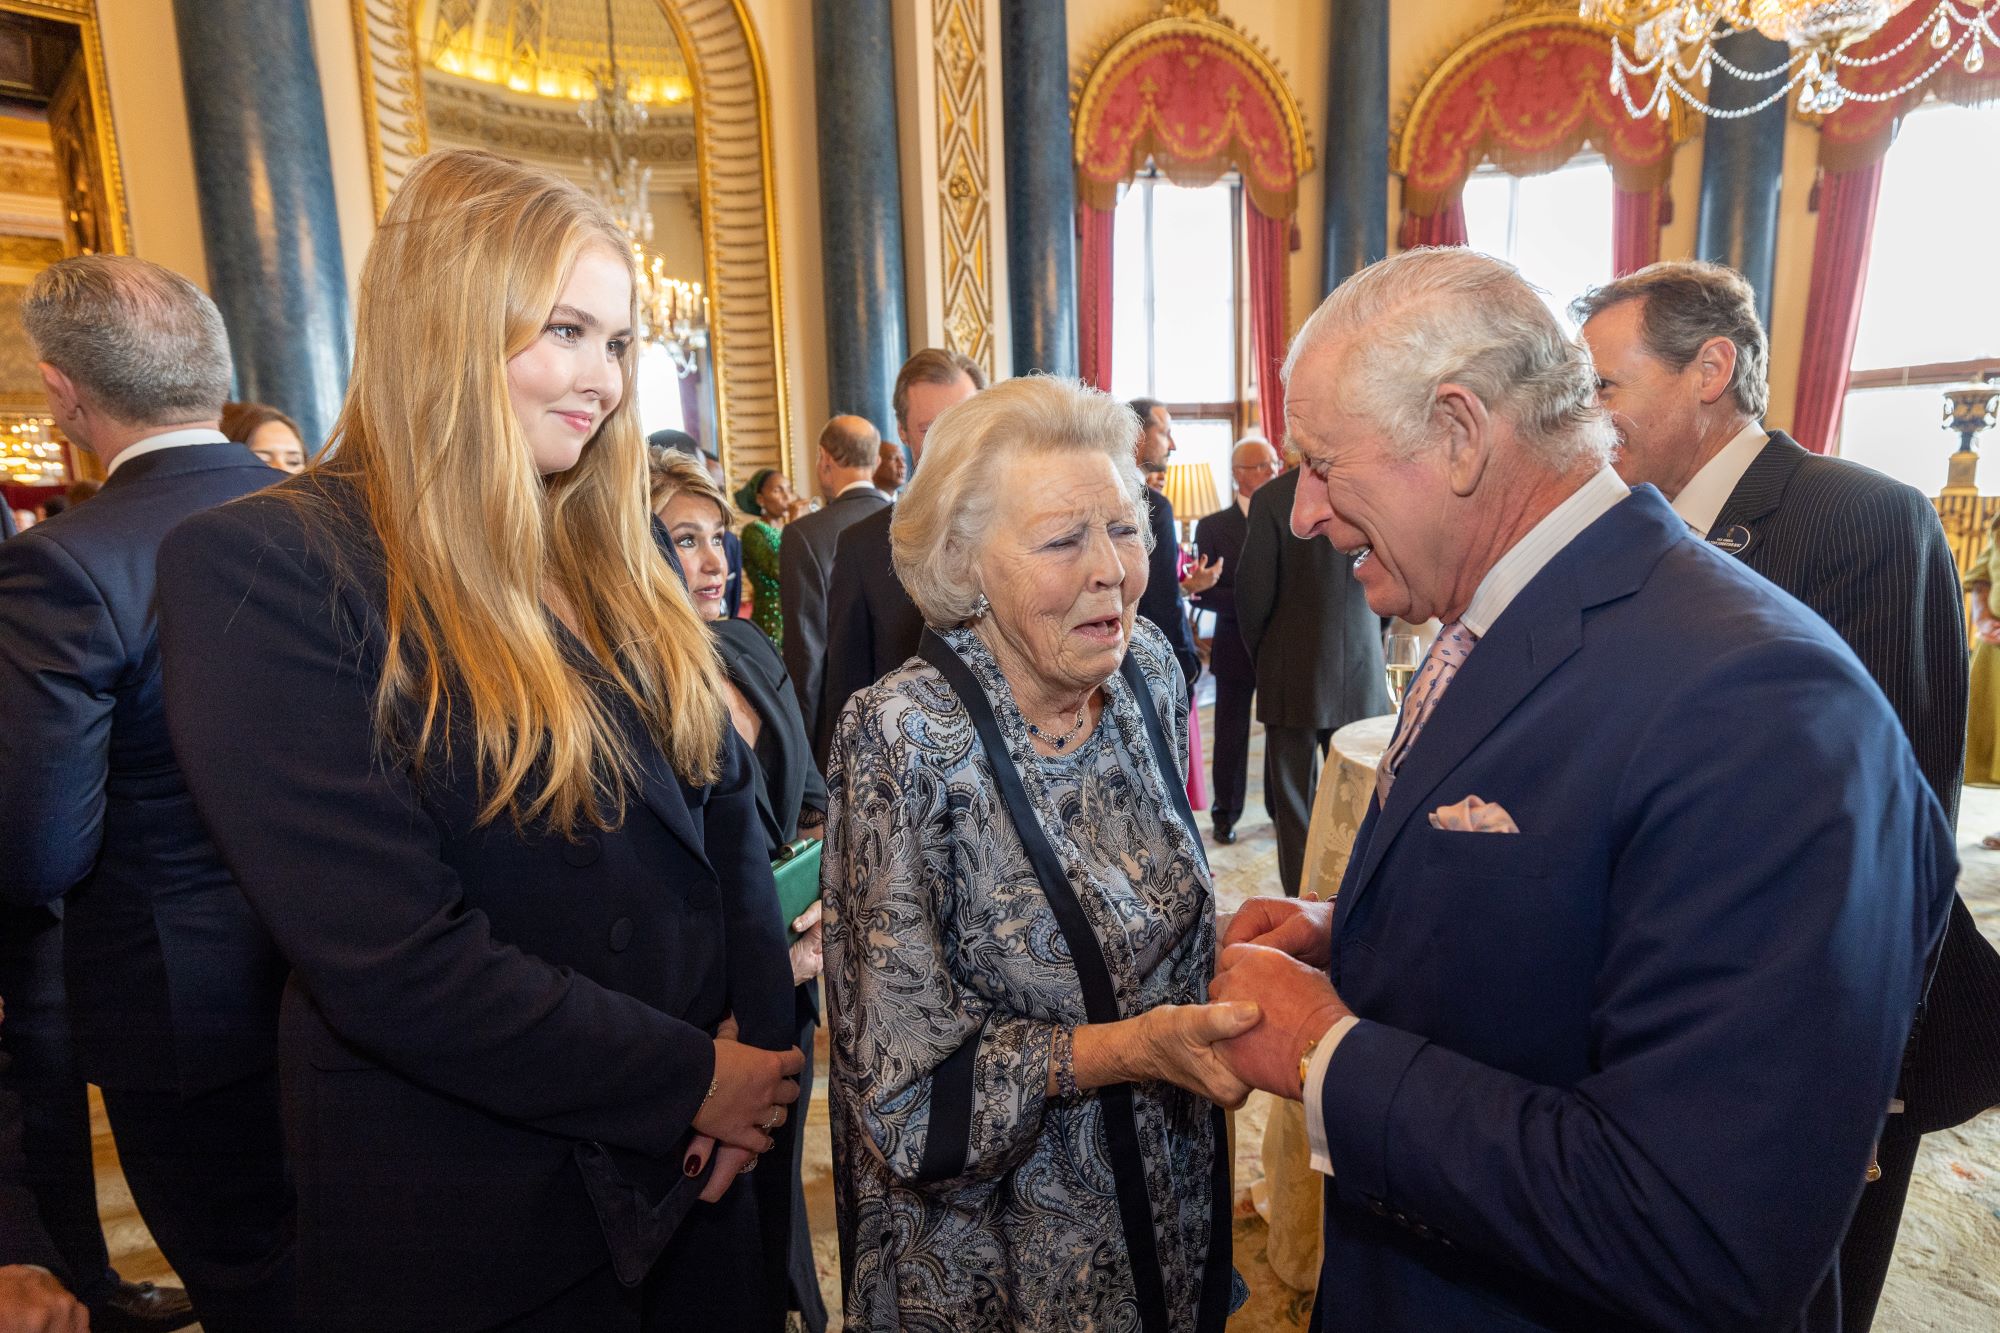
{"type": "Point", "coordinates": [460, 736]}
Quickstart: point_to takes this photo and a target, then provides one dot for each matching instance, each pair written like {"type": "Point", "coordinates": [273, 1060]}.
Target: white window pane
{"type": "Point", "coordinates": [1194, 314]}
{"type": "Point", "coordinates": [1933, 285]}
{"type": "Point", "coordinates": [1900, 431]}
{"type": "Point", "coordinates": [1556, 227]}
{"type": "Point", "coordinates": [1128, 297]}
{"type": "Point", "coordinates": [1562, 232]}
{"type": "Point", "coordinates": [659, 391]}
{"type": "Point", "coordinates": [1488, 200]}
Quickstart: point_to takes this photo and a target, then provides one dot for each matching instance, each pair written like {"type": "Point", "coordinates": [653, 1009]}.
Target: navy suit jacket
{"type": "Point", "coordinates": [1625, 1068]}
{"type": "Point", "coordinates": [1161, 602]}
{"type": "Point", "coordinates": [805, 574]}
{"type": "Point", "coordinates": [1222, 534]}
{"type": "Point", "coordinates": [872, 626]}
{"type": "Point", "coordinates": [172, 982]}
{"type": "Point", "coordinates": [495, 1039]}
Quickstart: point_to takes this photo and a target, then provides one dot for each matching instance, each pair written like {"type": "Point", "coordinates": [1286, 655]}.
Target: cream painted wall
{"type": "Point", "coordinates": [783, 29]}
{"type": "Point", "coordinates": [149, 114]}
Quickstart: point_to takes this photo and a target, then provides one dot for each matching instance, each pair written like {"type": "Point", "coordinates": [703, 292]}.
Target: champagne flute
{"type": "Point", "coordinates": [1401, 654]}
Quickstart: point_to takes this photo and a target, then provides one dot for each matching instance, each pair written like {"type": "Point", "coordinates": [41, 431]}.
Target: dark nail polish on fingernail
{"type": "Point", "coordinates": [693, 1164]}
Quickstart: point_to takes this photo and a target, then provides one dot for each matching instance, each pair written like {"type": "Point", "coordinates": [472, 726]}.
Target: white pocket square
{"type": "Point", "coordinates": [1473, 815]}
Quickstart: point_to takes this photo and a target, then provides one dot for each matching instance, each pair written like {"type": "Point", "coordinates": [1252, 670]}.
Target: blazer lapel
{"type": "Point", "coordinates": [1539, 631]}
{"type": "Point", "coordinates": [663, 793]}
{"type": "Point", "coordinates": [1535, 635]}
{"type": "Point", "coordinates": [1758, 493]}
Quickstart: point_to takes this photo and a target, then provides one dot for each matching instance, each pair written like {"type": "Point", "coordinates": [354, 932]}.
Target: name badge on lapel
{"type": "Point", "coordinates": [1732, 540]}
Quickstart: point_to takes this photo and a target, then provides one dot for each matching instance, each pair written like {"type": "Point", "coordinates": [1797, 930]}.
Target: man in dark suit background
{"type": "Point", "coordinates": [1317, 650]}
{"type": "Point", "coordinates": [872, 626]}
{"type": "Point", "coordinates": [849, 453]}
{"type": "Point", "coordinates": [1219, 537]}
{"type": "Point", "coordinates": [34, 1296]}
{"type": "Point", "coordinates": [1681, 358]}
{"type": "Point", "coordinates": [1605, 1020]}
{"type": "Point", "coordinates": [1161, 602]}
{"type": "Point", "coordinates": [172, 985]}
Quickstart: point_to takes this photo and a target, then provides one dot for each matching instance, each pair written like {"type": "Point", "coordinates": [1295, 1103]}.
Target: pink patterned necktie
{"type": "Point", "coordinates": [1447, 654]}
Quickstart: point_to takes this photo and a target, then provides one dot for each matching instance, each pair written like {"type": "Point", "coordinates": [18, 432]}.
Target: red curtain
{"type": "Point", "coordinates": [1444, 227]}
{"type": "Point", "coordinates": [1635, 230]}
{"type": "Point", "coordinates": [1270, 274]}
{"type": "Point", "coordinates": [1833, 301]}
{"type": "Point", "coordinates": [1094, 231]}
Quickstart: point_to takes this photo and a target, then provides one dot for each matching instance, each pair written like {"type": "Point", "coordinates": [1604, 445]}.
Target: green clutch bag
{"type": "Point", "coordinates": [796, 869]}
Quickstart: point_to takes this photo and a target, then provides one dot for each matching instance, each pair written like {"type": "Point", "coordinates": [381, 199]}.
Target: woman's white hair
{"type": "Point", "coordinates": [945, 514]}
{"type": "Point", "coordinates": [1431, 317]}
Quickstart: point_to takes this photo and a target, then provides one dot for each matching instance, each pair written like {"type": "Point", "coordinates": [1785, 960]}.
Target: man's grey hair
{"type": "Point", "coordinates": [144, 343]}
{"type": "Point", "coordinates": [1686, 303]}
{"type": "Point", "coordinates": [1431, 317]}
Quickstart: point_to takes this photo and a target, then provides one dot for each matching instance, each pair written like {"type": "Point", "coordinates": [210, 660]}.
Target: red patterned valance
{"type": "Point", "coordinates": [1860, 132]}
{"type": "Point", "coordinates": [1528, 94]}
{"type": "Point", "coordinates": [1197, 97]}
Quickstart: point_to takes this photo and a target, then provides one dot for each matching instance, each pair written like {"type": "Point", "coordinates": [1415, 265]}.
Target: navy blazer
{"type": "Point", "coordinates": [872, 626]}
{"type": "Point", "coordinates": [805, 575]}
{"type": "Point", "coordinates": [171, 981]}
{"type": "Point", "coordinates": [494, 1040]}
{"type": "Point", "coordinates": [1220, 536]}
{"type": "Point", "coordinates": [1161, 602]}
{"type": "Point", "coordinates": [1625, 1068]}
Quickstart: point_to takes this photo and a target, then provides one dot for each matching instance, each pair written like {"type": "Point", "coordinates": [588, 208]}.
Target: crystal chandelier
{"type": "Point", "coordinates": [673, 314]}
{"type": "Point", "coordinates": [1673, 42]}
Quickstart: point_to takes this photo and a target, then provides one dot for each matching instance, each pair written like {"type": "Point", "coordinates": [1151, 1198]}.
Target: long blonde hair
{"type": "Point", "coordinates": [464, 270]}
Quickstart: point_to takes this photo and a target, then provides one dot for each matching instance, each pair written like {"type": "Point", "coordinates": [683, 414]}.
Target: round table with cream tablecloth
{"type": "Point", "coordinates": [1292, 1195]}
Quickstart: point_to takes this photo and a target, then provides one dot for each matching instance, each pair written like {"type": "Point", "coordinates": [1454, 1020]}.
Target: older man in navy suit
{"type": "Point", "coordinates": [171, 983]}
{"type": "Point", "coordinates": [1602, 1027]}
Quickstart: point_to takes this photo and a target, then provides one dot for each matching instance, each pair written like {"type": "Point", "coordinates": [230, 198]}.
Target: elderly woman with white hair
{"type": "Point", "coordinates": [1019, 915]}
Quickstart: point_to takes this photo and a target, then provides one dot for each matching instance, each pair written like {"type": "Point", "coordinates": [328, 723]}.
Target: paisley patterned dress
{"type": "Point", "coordinates": [968, 1199]}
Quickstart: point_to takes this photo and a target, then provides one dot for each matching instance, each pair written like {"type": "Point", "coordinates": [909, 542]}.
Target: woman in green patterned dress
{"type": "Point", "coordinates": [767, 497]}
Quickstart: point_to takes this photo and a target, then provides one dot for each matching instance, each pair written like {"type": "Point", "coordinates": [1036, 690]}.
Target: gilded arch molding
{"type": "Point", "coordinates": [739, 224]}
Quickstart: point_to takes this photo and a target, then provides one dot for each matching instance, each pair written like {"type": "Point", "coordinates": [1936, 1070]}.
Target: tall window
{"type": "Point", "coordinates": [1555, 227]}
{"type": "Point", "coordinates": [1928, 306]}
{"type": "Point", "coordinates": [659, 386]}
{"type": "Point", "coordinates": [1178, 326]}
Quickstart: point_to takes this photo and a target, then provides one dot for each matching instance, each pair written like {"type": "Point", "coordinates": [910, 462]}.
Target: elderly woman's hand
{"type": "Point", "coordinates": [808, 958]}
{"type": "Point", "coordinates": [1174, 1043]}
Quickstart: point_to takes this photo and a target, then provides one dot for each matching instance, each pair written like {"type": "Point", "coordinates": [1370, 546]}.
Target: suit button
{"type": "Point", "coordinates": [1377, 1207]}
{"type": "Point", "coordinates": [621, 934]}
{"type": "Point", "coordinates": [584, 851]}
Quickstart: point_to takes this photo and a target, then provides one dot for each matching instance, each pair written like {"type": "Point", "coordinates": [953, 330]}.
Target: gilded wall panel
{"type": "Point", "coordinates": [964, 174]}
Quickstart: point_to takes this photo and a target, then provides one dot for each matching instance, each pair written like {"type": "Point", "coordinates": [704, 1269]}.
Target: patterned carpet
{"type": "Point", "coordinates": [1946, 1277]}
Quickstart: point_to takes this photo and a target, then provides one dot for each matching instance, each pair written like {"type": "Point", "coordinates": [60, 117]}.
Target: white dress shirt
{"type": "Point", "coordinates": [864, 484]}
{"type": "Point", "coordinates": [1496, 592]}
{"type": "Point", "coordinates": [1709, 489]}
{"type": "Point", "coordinates": [172, 439]}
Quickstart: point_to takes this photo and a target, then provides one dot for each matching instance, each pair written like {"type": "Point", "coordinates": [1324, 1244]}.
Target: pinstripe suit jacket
{"type": "Point", "coordinates": [1868, 554]}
